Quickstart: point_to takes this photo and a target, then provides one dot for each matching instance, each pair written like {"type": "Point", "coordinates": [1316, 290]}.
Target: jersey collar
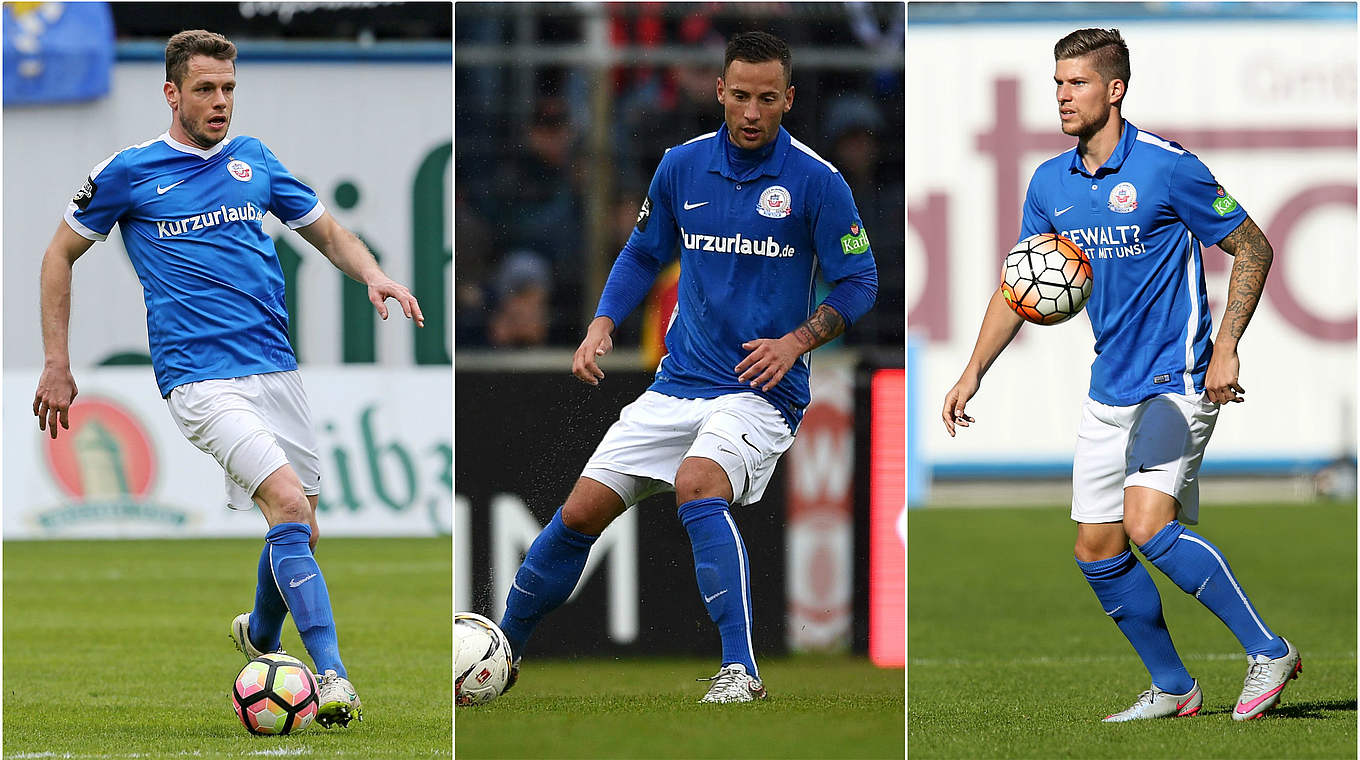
{"type": "Point", "coordinates": [191, 150]}
{"type": "Point", "coordinates": [1116, 159]}
{"type": "Point", "coordinates": [771, 167]}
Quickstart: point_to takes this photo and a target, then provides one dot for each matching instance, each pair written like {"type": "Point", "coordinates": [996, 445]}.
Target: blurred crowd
{"type": "Point", "coordinates": [523, 164]}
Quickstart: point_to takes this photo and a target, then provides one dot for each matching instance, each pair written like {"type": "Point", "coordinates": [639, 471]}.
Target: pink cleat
{"type": "Point", "coordinates": [1266, 679]}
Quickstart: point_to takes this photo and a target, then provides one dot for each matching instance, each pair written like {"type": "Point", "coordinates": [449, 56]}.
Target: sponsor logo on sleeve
{"type": "Point", "coordinates": [84, 195]}
{"type": "Point", "coordinates": [1124, 198]}
{"type": "Point", "coordinates": [856, 242]}
{"type": "Point", "coordinates": [644, 214]}
{"type": "Point", "coordinates": [1224, 204]}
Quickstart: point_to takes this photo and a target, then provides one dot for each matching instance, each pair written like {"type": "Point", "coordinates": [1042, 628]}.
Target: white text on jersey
{"type": "Point", "coordinates": [1114, 242]}
{"type": "Point", "coordinates": [246, 213]}
{"type": "Point", "coordinates": [736, 244]}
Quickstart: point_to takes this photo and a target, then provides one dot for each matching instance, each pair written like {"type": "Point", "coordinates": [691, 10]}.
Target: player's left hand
{"type": "Point", "coordinates": [768, 362]}
{"type": "Point", "coordinates": [1220, 380]}
{"type": "Point", "coordinates": [381, 290]}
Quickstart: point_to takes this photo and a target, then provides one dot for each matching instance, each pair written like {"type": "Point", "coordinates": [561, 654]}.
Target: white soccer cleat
{"type": "Point", "coordinates": [339, 702]}
{"type": "Point", "coordinates": [1266, 679]}
{"type": "Point", "coordinates": [1155, 703]}
{"type": "Point", "coordinates": [733, 684]}
{"type": "Point", "coordinates": [240, 635]}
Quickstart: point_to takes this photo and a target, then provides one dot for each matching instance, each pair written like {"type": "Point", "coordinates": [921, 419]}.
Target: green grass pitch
{"type": "Point", "coordinates": [120, 649]}
{"type": "Point", "coordinates": [819, 707]}
{"type": "Point", "coordinates": [1009, 656]}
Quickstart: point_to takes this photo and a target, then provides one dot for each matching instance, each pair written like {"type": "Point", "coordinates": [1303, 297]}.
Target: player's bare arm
{"type": "Point", "coordinates": [349, 254]}
{"type": "Point", "coordinates": [770, 358]}
{"type": "Point", "coordinates": [999, 326]}
{"type": "Point", "coordinates": [57, 386]}
{"type": "Point", "coordinates": [1252, 256]}
{"type": "Point", "coordinates": [598, 342]}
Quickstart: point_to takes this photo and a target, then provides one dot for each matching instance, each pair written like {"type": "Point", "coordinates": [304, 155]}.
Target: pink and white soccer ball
{"type": "Point", "coordinates": [274, 694]}
{"type": "Point", "coordinates": [481, 655]}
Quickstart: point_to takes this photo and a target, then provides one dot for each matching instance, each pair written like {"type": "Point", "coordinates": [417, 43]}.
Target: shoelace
{"type": "Point", "coordinates": [727, 681]}
{"type": "Point", "coordinates": [1256, 675]}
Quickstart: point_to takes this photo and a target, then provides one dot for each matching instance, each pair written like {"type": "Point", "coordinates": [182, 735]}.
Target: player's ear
{"type": "Point", "coordinates": [171, 94]}
{"type": "Point", "coordinates": [720, 89]}
{"type": "Point", "coordinates": [788, 99]}
{"type": "Point", "coordinates": [1116, 91]}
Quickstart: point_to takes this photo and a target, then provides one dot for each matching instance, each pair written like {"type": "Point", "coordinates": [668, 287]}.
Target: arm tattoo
{"type": "Point", "coordinates": [1252, 256]}
{"type": "Point", "coordinates": [820, 328]}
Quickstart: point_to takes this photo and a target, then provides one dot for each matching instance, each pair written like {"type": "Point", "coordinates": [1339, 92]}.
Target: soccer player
{"type": "Point", "coordinates": [1140, 205]}
{"type": "Point", "coordinates": [190, 205]}
{"type": "Point", "coordinates": [755, 214]}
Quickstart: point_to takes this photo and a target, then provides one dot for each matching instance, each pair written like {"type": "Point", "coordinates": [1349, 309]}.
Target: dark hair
{"type": "Point", "coordinates": [1107, 49]}
{"type": "Point", "coordinates": [759, 47]}
{"type": "Point", "coordinates": [190, 43]}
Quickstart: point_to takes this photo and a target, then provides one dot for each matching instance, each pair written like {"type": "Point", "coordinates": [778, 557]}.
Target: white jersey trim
{"type": "Point", "coordinates": [191, 150]}
{"type": "Point", "coordinates": [1192, 280]}
{"type": "Point", "coordinates": [701, 137]}
{"type": "Point", "coordinates": [308, 218]}
{"type": "Point", "coordinates": [78, 228]}
{"type": "Point", "coordinates": [1150, 139]}
{"type": "Point", "coordinates": [800, 146]}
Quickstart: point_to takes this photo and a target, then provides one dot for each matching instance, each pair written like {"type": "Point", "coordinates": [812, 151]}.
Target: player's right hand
{"type": "Point", "coordinates": [52, 402]}
{"type": "Point", "coordinates": [597, 343]}
{"type": "Point", "coordinates": [955, 401]}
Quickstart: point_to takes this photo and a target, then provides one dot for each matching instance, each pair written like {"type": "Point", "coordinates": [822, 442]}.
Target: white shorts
{"type": "Point", "coordinates": [252, 426]}
{"type": "Point", "coordinates": [641, 453]}
{"type": "Point", "coordinates": [1157, 444]}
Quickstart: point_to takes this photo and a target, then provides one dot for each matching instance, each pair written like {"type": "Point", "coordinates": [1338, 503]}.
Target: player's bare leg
{"type": "Point", "coordinates": [554, 563]}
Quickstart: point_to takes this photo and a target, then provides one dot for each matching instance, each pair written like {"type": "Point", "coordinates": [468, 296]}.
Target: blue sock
{"type": "Point", "coordinates": [299, 581]}
{"type": "Point", "coordinates": [266, 620]}
{"type": "Point", "coordinates": [551, 569]}
{"type": "Point", "coordinates": [1198, 568]}
{"type": "Point", "coordinates": [723, 570]}
{"type": "Point", "coordinates": [1128, 595]}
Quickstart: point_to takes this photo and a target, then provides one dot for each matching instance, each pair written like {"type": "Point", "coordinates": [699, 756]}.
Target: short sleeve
{"type": "Point", "coordinates": [289, 199]}
{"type": "Point", "coordinates": [1201, 203]}
{"type": "Point", "coordinates": [1033, 218]}
{"type": "Point", "coordinates": [838, 233]}
{"type": "Point", "coordinates": [101, 201]}
{"type": "Point", "coordinates": [655, 231]}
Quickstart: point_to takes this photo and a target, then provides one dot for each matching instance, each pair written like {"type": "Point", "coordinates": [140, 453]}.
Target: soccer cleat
{"type": "Point", "coordinates": [514, 676]}
{"type": "Point", "coordinates": [733, 684]}
{"type": "Point", "coordinates": [1266, 679]}
{"type": "Point", "coordinates": [339, 703]}
{"type": "Point", "coordinates": [240, 635]}
{"type": "Point", "coordinates": [1155, 703]}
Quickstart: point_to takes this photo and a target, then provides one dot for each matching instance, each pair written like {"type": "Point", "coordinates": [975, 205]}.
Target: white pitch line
{"type": "Point", "coordinates": [1045, 660]}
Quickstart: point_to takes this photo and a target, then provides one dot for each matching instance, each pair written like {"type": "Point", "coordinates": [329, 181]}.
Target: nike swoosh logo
{"type": "Point", "coordinates": [689, 206]}
{"type": "Point", "coordinates": [748, 442]}
{"type": "Point", "coordinates": [725, 451]}
{"type": "Point", "coordinates": [1116, 609]}
{"type": "Point", "coordinates": [1064, 211]}
{"type": "Point", "coordinates": [299, 581]}
{"type": "Point", "coordinates": [1246, 707]}
{"type": "Point", "coordinates": [163, 190]}
{"type": "Point", "coordinates": [1187, 701]}
{"type": "Point", "coordinates": [1141, 468]}
{"type": "Point", "coordinates": [708, 599]}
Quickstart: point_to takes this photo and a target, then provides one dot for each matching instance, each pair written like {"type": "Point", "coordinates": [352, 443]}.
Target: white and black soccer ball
{"type": "Point", "coordinates": [1046, 279]}
{"type": "Point", "coordinates": [481, 656]}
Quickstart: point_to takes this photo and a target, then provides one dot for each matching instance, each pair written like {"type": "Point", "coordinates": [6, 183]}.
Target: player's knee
{"type": "Point", "coordinates": [701, 479]}
{"type": "Point", "coordinates": [590, 510]}
{"type": "Point", "coordinates": [1089, 549]}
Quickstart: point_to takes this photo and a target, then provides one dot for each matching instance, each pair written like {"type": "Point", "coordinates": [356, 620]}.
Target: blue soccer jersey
{"type": "Point", "coordinates": [752, 240]}
{"type": "Point", "coordinates": [1141, 218]}
{"type": "Point", "coordinates": [191, 221]}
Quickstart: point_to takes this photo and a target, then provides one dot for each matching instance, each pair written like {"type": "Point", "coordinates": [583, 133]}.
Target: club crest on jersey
{"type": "Point", "coordinates": [1123, 198]}
{"type": "Point", "coordinates": [775, 202]}
{"type": "Point", "coordinates": [240, 170]}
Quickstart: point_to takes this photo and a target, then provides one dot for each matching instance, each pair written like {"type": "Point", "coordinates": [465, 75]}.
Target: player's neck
{"type": "Point", "coordinates": [1095, 148]}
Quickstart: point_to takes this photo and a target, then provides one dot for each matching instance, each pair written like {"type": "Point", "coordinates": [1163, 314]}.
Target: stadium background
{"type": "Point", "coordinates": [1265, 94]}
{"type": "Point", "coordinates": [380, 391]}
{"type": "Point", "coordinates": [562, 112]}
